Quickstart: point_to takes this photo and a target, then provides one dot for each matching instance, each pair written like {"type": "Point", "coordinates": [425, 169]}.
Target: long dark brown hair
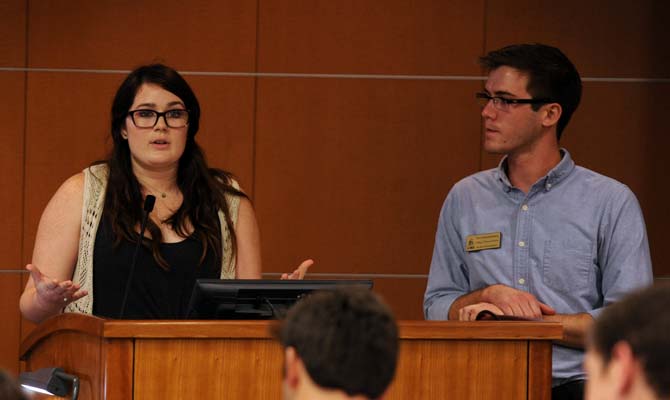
{"type": "Point", "coordinates": [203, 188]}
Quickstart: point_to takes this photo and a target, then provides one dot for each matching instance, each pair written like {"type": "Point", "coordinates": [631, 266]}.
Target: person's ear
{"type": "Point", "coordinates": [124, 133]}
{"type": "Point", "coordinates": [624, 366]}
{"type": "Point", "coordinates": [551, 115]}
{"type": "Point", "coordinates": [291, 368]}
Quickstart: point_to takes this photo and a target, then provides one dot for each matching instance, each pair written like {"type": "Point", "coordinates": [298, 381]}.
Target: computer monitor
{"type": "Point", "coordinates": [254, 298]}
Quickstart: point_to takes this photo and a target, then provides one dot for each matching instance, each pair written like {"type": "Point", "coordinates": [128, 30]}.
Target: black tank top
{"type": "Point", "coordinates": [155, 293]}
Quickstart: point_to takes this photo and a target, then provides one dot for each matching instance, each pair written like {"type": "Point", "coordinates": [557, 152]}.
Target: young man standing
{"type": "Point", "coordinates": [537, 237]}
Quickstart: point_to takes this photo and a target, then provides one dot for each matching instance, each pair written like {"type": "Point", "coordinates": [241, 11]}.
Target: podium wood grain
{"type": "Point", "coordinates": [120, 360]}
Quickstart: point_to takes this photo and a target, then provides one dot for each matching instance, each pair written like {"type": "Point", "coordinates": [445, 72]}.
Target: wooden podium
{"type": "Point", "coordinates": [121, 360]}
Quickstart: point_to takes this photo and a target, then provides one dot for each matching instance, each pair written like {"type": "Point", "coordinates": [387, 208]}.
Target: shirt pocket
{"type": "Point", "coordinates": [567, 265]}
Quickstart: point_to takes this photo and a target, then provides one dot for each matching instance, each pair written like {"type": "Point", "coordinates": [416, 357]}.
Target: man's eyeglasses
{"type": "Point", "coordinates": [149, 118]}
{"type": "Point", "coordinates": [504, 103]}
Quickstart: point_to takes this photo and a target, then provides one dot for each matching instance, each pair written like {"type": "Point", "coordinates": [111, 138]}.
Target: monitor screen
{"type": "Point", "coordinates": [254, 298]}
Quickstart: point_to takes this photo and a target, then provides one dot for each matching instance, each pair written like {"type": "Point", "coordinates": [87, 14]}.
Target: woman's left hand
{"type": "Point", "coordinates": [299, 272]}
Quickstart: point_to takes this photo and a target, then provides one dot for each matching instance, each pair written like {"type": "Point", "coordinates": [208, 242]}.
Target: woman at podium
{"type": "Point", "coordinates": [128, 236]}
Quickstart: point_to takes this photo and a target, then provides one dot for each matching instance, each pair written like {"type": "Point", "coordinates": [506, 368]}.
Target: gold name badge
{"type": "Point", "coordinates": [483, 241]}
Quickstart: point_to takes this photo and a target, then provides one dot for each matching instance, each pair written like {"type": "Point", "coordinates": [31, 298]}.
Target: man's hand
{"type": "Point", "coordinates": [469, 313]}
{"type": "Point", "coordinates": [515, 302]}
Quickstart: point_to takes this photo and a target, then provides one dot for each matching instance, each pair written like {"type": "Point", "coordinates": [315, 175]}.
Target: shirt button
{"type": "Point", "coordinates": [524, 207]}
{"type": "Point", "coordinates": [522, 244]}
{"type": "Point", "coordinates": [548, 186]}
{"type": "Point", "coordinates": [522, 281]}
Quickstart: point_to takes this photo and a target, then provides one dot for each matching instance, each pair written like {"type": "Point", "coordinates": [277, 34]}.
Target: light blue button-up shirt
{"type": "Point", "coordinates": [576, 241]}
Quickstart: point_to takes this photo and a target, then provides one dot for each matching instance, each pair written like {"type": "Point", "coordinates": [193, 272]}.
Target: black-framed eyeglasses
{"type": "Point", "coordinates": [504, 103]}
{"type": "Point", "coordinates": [146, 118]}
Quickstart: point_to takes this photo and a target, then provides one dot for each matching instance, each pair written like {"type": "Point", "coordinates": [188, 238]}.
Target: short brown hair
{"type": "Point", "coordinates": [9, 390]}
{"type": "Point", "coordinates": [551, 75]}
{"type": "Point", "coordinates": [346, 338]}
{"type": "Point", "coordinates": [642, 320]}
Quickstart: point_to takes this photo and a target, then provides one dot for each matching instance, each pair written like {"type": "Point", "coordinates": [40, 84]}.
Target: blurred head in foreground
{"type": "Point", "coordinates": [629, 349]}
{"type": "Point", "coordinates": [339, 344]}
{"type": "Point", "coordinates": [9, 389]}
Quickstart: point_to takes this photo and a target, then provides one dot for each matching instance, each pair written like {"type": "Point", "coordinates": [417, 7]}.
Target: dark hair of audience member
{"type": "Point", "coordinates": [642, 320]}
{"type": "Point", "coordinates": [347, 340]}
{"type": "Point", "coordinates": [9, 389]}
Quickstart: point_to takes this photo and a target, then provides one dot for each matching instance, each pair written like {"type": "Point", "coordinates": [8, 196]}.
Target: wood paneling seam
{"type": "Point", "coordinates": [326, 76]}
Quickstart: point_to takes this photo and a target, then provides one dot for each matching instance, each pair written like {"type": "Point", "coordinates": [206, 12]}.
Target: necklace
{"type": "Point", "coordinates": [164, 204]}
{"type": "Point", "coordinates": [152, 190]}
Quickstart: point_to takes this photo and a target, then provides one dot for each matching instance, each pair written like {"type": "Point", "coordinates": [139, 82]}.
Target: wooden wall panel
{"type": "Point", "coordinates": [227, 123]}
{"type": "Point", "coordinates": [370, 37]}
{"type": "Point", "coordinates": [10, 289]}
{"type": "Point", "coordinates": [618, 132]}
{"type": "Point", "coordinates": [603, 38]}
{"type": "Point", "coordinates": [198, 35]}
{"type": "Point", "coordinates": [67, 129]}
{"type": "Point", "coordinates": [353, 172]}
{"type": "Point", "coordinates": [12, 114]}
{"type": "Point", "coordinates": [403, 295]}
{"type": "Point", "coordinates": [13, 33]}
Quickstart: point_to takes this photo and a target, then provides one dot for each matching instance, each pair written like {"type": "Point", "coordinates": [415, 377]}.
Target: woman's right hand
{"type": "Point", "coordinates": [51, 294]}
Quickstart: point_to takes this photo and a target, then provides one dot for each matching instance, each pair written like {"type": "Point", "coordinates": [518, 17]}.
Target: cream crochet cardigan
{"type": "Point", "coordinates": [95, 184]}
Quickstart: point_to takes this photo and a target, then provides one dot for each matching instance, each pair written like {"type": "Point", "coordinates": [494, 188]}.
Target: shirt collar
{"type": "Point", "coordinates": [553, 177]}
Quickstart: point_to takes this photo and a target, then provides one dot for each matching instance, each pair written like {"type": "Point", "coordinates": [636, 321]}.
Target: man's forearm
{"type": "Point", "coordinates": [575, 327]}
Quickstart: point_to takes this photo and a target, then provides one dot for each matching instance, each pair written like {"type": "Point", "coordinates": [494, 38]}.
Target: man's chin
{"type": "Point", "coordinates": [492, 148]}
